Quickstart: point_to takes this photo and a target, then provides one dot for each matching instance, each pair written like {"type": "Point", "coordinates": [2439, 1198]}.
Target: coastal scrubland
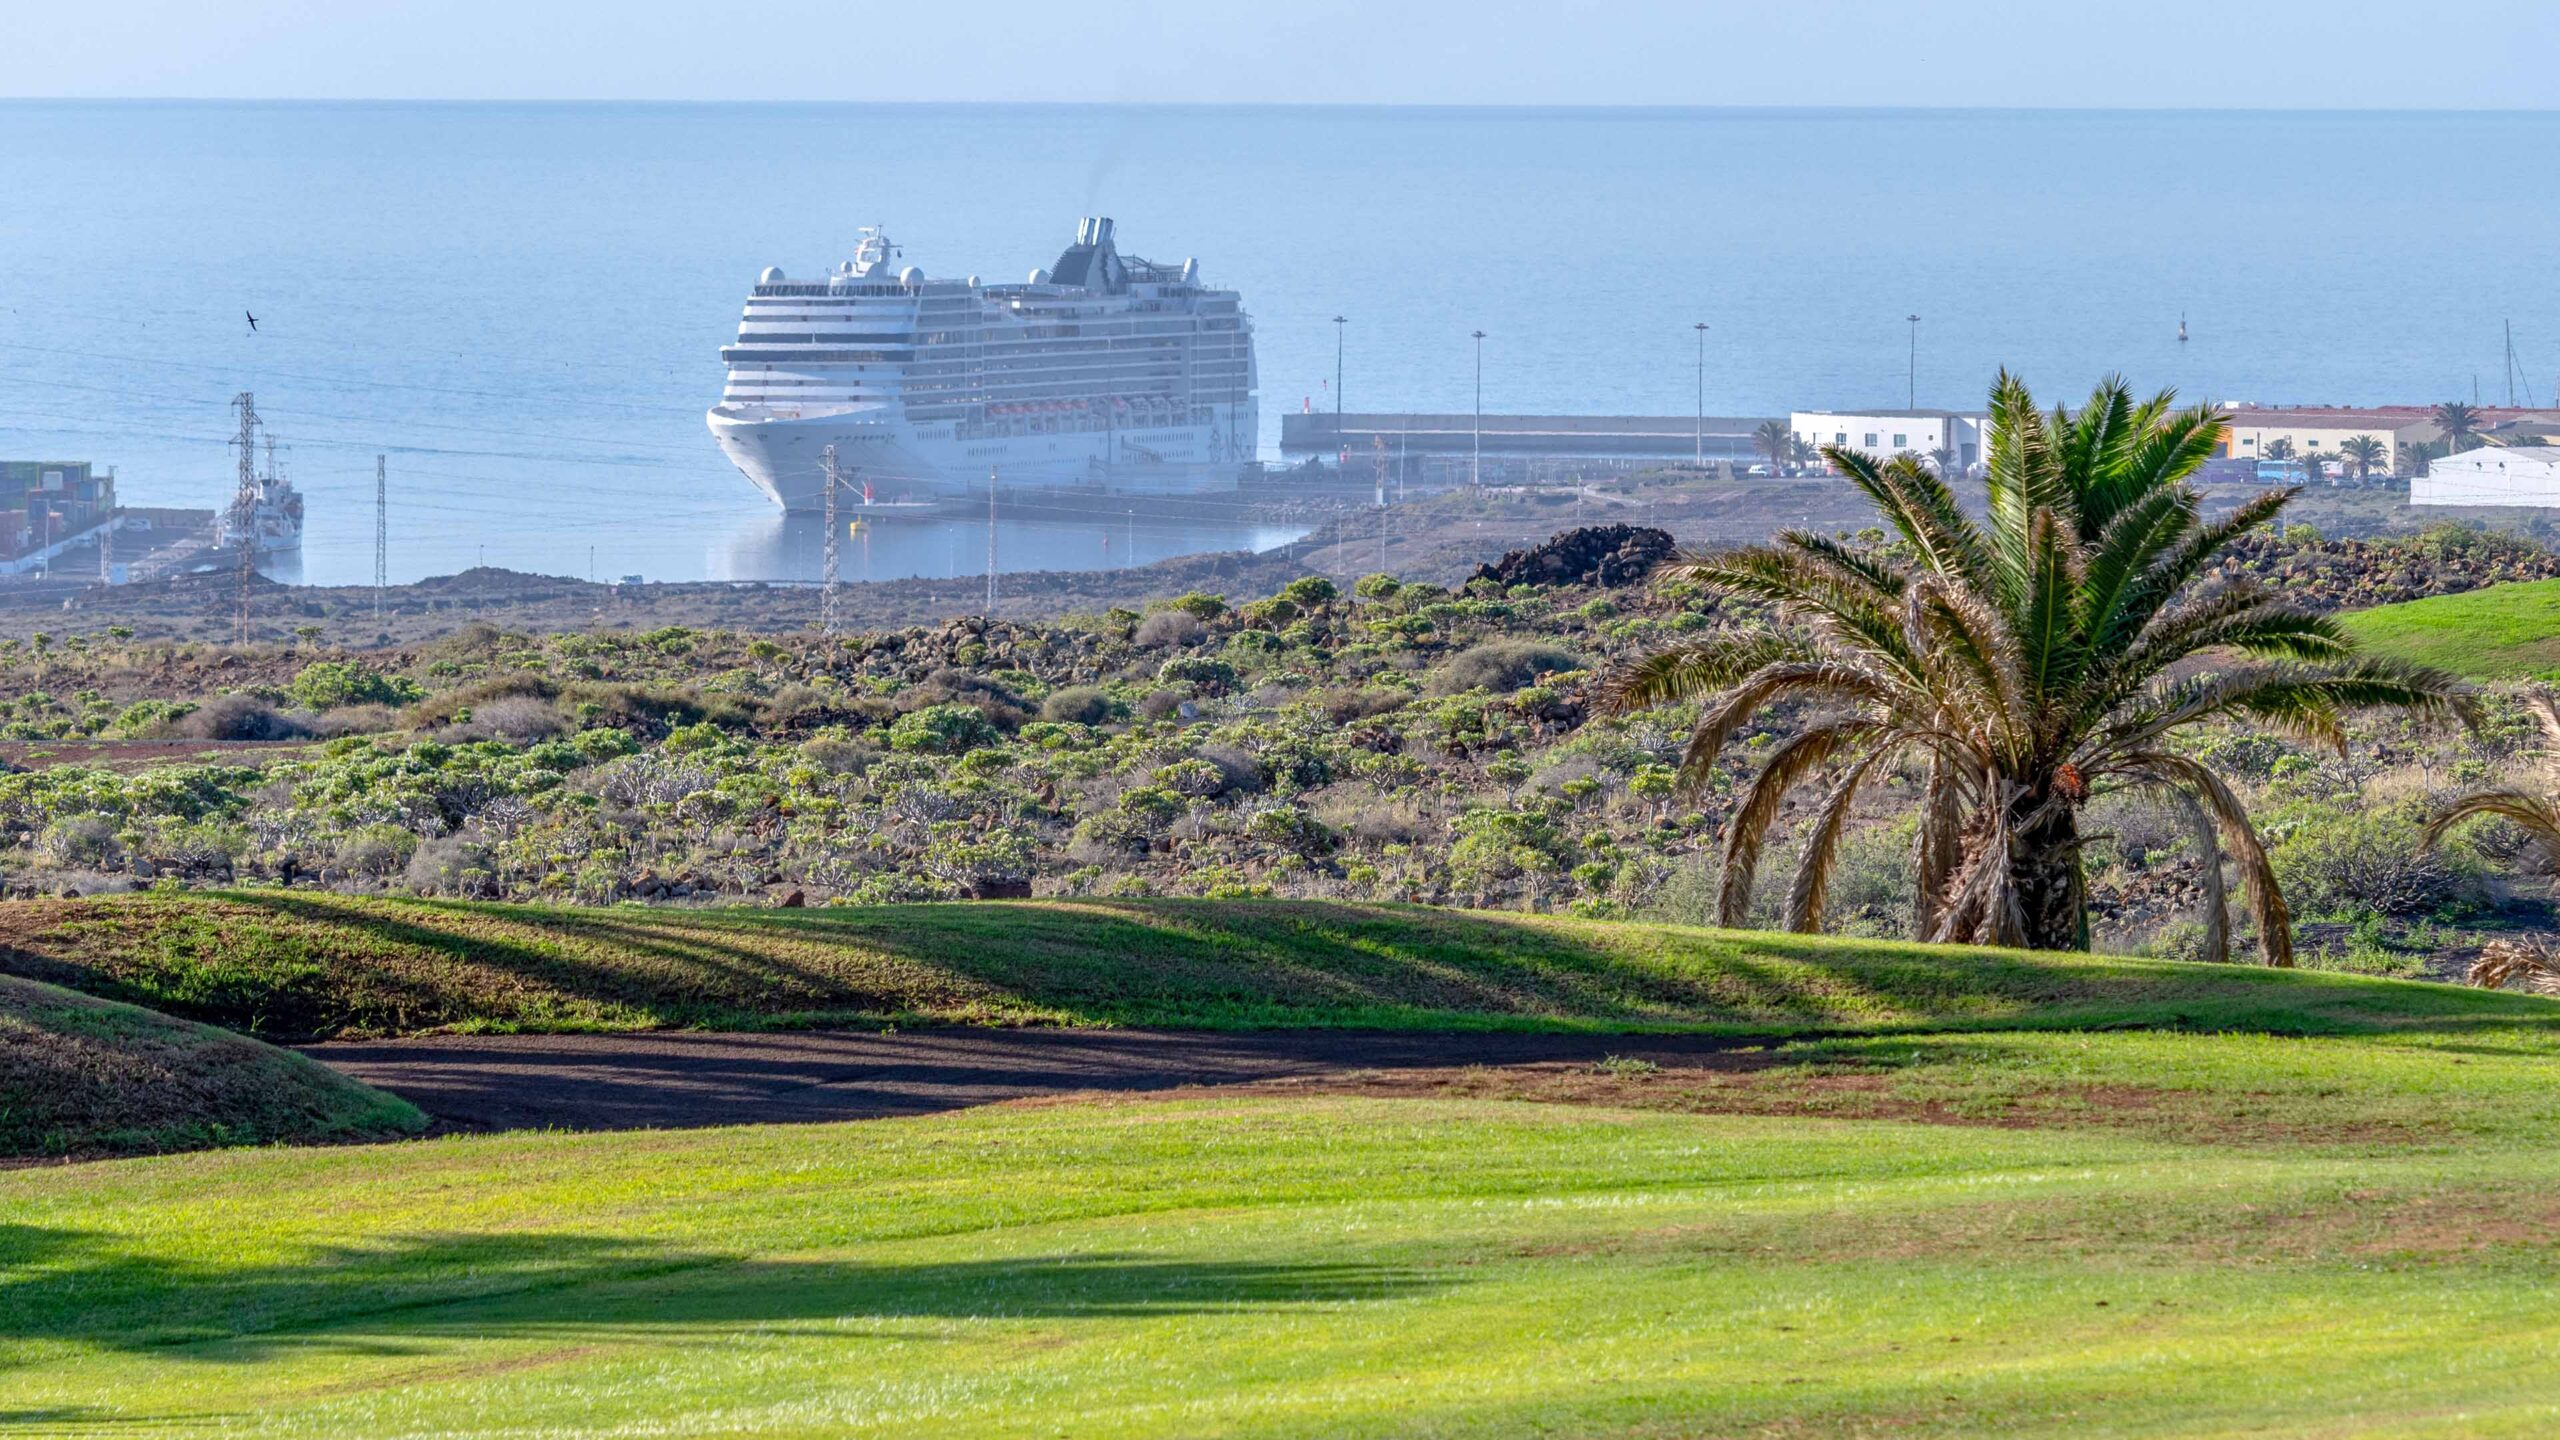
{"type": "Point", "coordinates": [1389, 741]}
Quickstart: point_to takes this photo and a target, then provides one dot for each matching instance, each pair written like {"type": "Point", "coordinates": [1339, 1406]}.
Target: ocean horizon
{"type": "Point", "coordinates": [521, 303]}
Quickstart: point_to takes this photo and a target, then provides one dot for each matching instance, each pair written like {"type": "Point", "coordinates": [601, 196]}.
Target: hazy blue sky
{"type": "Point", "coordinates": [2453, 54]}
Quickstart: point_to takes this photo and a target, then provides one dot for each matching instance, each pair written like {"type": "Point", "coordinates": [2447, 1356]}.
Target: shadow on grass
{"type": "Point", "coordinates": [60, 1285]}
{"type": "Point", "coordinates": [390, 967]}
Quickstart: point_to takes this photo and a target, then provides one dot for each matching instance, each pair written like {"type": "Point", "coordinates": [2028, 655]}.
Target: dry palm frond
{"type": "Point", "coordinates": [2504, 963]}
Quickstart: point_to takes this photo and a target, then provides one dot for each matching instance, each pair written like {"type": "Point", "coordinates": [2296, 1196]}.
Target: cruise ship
{"type": "Point", "coordinates": [1103, 371]}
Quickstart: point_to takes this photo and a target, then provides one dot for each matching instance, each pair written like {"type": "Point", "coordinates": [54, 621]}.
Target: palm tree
{"type": "Point", "coordinates": [1774, 440]}
{"type": "Point", "coordinates": [2364, 453]}
{"type": "Point", "coordinates": [2458, 423]}
{"type": "Point", "coordinates": [2028, 663]}
{"type": "Point", "coordinates": [2279, 448]}
{"type": "Point", "coordinates": [1943, 461]}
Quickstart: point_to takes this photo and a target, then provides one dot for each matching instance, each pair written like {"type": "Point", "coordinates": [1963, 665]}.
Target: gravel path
{"type": "Point", "coordinates": [682, 1078]}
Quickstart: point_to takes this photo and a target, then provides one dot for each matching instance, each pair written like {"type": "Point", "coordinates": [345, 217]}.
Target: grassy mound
{"type": "Point", "coordinates": [299, 966]}
{"type": "Point", "coordinates": [2504, 632]}
{"type": "Point", "coordinates": [84, 1076]}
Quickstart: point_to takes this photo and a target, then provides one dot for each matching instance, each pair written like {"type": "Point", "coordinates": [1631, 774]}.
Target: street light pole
{"type": "Point", "coordinates": [1701, 328]}
{"type": "Point", "coordinates": [1911, 376]}
{"type": "Point", "coordinates": [1338, 323]}
{"type": "Point", "coordinates": [1475, 472]}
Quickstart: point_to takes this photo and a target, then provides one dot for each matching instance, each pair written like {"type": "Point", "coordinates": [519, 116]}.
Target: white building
{"type": "Point", "coordinates": [2491, 475]}
{"type": "Point", "coordinates": [1887, 433]}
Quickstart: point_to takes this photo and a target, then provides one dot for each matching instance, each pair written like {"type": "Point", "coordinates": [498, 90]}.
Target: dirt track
{"type": "Point", "coordinates": [681, 1079]}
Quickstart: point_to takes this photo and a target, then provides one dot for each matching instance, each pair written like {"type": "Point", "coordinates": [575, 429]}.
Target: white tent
{"type": "Point", "coordinates": [2491, 475]}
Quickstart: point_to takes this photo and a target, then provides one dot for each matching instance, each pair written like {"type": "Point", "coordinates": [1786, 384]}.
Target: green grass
{"type": "Point", "coordinates": [2122, 1234]}
{"type": "Point", "coordinates": [301, 965]}
{"type": "Point", "coordinates": [84, 1076]}
{"type": "Point", "coordinates": [2504, 632]}
{"type": "Point", "coordinates": [2327, 1211]}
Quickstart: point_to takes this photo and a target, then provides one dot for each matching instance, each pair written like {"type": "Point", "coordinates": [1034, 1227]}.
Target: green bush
{"type": "Point", "coordinates": [1292, 829]}
{"type": "Point", "coordinates": [1309, 591]}
{"type": "Point", "coordinates": [1082, 705]}
{"type": "Point", "coordinates": [1213, 677]}
{"type": "Point", "coordinates": [328, 684]}
{"type": "Point", "coordinates": [943, 730]}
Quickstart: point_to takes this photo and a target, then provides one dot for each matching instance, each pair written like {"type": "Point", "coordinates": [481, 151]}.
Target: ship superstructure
{"type": "Point", "coordinates": [265, 510]}
{"type": "Point", "coordinates": [1103, 370]}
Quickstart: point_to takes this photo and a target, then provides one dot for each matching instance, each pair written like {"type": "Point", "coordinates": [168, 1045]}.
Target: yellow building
{"type": "Point", "coordinates": [2323, 432]}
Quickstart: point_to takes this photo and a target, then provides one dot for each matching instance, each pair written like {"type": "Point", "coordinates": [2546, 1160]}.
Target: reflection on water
{"type": "Point", "coordinates": [793, 547]}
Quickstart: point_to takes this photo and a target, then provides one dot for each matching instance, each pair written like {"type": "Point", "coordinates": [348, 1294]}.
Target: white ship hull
{"type": "Point", "coordinates": [784, 458]}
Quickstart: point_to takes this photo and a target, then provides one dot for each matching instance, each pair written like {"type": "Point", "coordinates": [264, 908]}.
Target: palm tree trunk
{"type": "Point", "coordinates": [2045, 875]}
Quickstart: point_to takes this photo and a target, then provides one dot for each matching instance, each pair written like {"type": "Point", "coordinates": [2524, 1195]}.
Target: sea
{"type": "Point", "coordinates": [521, 305]}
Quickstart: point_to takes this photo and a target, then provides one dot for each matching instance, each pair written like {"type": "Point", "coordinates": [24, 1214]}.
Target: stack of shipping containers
{"type": "Point", "coordinates": [42, 501]}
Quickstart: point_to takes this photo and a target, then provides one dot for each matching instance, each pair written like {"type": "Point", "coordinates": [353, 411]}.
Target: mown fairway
{"type": "Point", "coordinates": [2027, 1232]}
{"type": "Point", "coordinates": [2504, 632]}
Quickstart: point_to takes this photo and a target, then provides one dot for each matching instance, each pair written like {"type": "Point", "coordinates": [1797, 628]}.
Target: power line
{"type": "Point", "coordinates": [265, 373]}
{"type": "Point", "coordinates": [244, 506]}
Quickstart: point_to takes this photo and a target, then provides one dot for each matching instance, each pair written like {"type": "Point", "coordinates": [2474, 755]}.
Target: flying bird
{"type": "Point", "coordinates": [253, 322]}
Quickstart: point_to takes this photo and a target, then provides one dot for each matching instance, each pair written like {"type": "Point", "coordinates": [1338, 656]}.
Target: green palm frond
{"type": "Point", "coordinates": [1785, 680]}
{"type": "Point", "coordinates": [1693, 669]}
{"type": "Point", "coordinates": [1918, 506]}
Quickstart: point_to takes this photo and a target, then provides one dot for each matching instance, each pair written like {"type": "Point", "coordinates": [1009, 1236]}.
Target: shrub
{"type": "Point", "coordinates": [1198, 779]}
{"type": "Point", "coordinates": [377, 851]}
{"type": "Point", "coordinates": [948, 686]}
{"type": "Point", "coordinates": [943, 730]}
{"type": "Point", "coordinates": [85, 840]}
{"type": "Point", "coordinates": [147, 717]}
{"type": "Point", "coordinates": [451, 865]}
{"type": "Point", "coordinates": [1291, 829]}
{"type": "Point", "coordinates": [355, 720]}
{"type": "Point", "coordinates": [599, 746]}
{"type": "Point", "coordinates": [1152, 805]}
{"type": "Point", "coordinates": [1167, 628]}
{"type": "Point", "coordinates": [1502, 666]}
{"type": "Point", "coordinates": [1214, 677]}
{"type": "Point", "coordinates": [1081, 705]}
{"type": "Point", "coordinates": [328, 684]}
{"type": "Point", "coordinates": [1309, 591]}
{"type": "Point", "coordinates": [2369, 862]}
{"type": "Point", "coordinates": [236, 717]}
{"type": "Point", "coordinates": [518, 720]}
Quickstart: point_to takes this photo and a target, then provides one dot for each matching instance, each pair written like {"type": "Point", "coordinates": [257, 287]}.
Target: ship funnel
{"type": "Point", "coordinates": [1093, 230]}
